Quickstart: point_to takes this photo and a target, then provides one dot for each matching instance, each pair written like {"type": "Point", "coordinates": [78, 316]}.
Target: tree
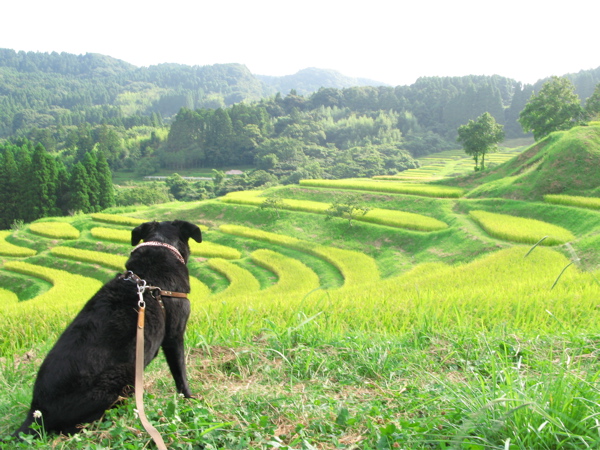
{"type": "Point", "coordinates": [9, 187]}
{"type": "Point", "coordinates": [592, 104]}
{"type": "Point", "coordinates": [348, 207]}
{"type": "Point", "coordinates": [106, 196]}
{"type": "Point", "coordinates": [556, 107]}
{"type": "Point", "coordinates": [274, 203]}
{"type": "Point", "coordinates": [79, 200]}
{"type": "Point", "coordinates": [480, 137]}
{"type": "Point", "coordinates": [41, 184]}
{"type": "Point", "coordinates": [90, 162]}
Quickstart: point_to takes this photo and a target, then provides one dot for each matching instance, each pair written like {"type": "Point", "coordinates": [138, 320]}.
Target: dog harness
{"type": "Point", "coordinates": [155, 291]}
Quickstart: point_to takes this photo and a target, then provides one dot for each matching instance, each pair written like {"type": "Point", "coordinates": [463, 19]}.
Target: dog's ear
{"type": "Point", "coordinates": [188, 230]}
{"type": "Point", "coordinates": [140, 232]}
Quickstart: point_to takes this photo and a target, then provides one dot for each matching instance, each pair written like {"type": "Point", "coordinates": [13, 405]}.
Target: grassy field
{"type": "Point", "coordinates": [307, 333]}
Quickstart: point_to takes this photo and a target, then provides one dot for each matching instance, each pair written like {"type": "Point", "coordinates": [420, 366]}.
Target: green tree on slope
{"type": "Point", "coordinates": [479, 137]}
{"type": "Point", "coordinates": [556, 107]}
{"type": "Point", "coordinates": [592, 104]}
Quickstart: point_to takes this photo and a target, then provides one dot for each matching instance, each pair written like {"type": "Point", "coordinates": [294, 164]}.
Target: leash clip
{"type": "Point", "coordinates": [141, 286]}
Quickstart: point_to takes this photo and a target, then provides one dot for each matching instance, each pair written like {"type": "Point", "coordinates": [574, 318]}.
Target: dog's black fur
{"type": "Point", "coordinates": [92, 363]}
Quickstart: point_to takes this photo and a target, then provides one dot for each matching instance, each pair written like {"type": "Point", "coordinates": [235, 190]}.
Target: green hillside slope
{"type": "Point", "coordinates": [311, 333]}
{"type": "Point", "coordinates": [566, 162]}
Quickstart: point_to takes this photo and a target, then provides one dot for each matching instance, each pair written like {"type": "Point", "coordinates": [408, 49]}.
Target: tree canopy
{"type": "Point", "coordinates": [555, 107]}
{"type": "Point", "coordinates": [479, 137]}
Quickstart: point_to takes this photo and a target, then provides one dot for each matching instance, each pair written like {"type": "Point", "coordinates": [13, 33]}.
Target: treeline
{"type": "Point", "coordinates": [35, 184]}
{"type": "Point", "coordinates": [287, 138]}
{"type": "Point", "coordinates": [41, 90]}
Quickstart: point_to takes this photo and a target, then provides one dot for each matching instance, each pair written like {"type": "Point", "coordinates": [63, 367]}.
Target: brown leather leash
{"type": "Point", "coordinates": [139, 378]}
{"type": "Point", "coordinates": [139, 350]}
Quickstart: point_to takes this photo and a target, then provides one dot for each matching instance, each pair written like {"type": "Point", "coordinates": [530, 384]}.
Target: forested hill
{"type": "Point", "coordinates": [52, 90]}
{"type": "Point", "coordinates": [43, 89]}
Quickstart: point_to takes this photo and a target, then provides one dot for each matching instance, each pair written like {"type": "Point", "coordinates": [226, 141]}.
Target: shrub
{"type": "Point", "coordinates": [55, 230]}
{"type": "Point", "coordinates": [519, 229]}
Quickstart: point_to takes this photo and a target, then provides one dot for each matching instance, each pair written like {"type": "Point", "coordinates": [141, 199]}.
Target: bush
{"type": "Point", "coordinates": [148, 194]}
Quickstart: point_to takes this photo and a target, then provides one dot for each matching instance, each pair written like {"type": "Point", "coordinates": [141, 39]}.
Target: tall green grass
{"type": "Point", "coordinates": [356, 268]}
{"type": "Point", "coordinates": [389, 187]}
{"type": "Point", "coordinates": [519, 229]}
{"type": "Point", "coordinates": [69, 291]}
{"type": "Point", "coordinates": [8, 249]}
{"type": "Point", "coordinates": [205, 249]}
{"type": "Point", "coordinates": [117, 219]}
{"type": "Point", "coordinates": [116, 262]}
{"type": "Point", "coordinates": [504, 288]}
{"type": "Point", "coordinates": [241, 281]}
{"type": "Point", "coordinates": [57, 230]}
{"type": "Point", "coordinates": [378, 216]}
{"type": "Point", "coordinates": [573, 200]}
{"type": "Point", "coordinates": [292, 275]}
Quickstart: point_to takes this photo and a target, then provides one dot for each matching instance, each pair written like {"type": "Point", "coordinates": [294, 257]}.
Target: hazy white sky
{"type": "Point", "coordinates": [393, 41]}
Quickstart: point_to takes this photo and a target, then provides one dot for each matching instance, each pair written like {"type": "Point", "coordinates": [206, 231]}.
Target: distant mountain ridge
{"type": "Point", "coordinates": [42, 90]}
{"type": "Point", "coordinates": [307, 81]}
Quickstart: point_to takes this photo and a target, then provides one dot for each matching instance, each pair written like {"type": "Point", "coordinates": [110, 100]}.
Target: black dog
{"type": "Point", "coordinates": [92, 363]}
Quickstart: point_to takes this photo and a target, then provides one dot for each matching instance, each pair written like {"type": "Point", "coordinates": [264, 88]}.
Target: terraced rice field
{"type": "Point", "coordinates": [449, 163]}
{"type": "Point", "coordinates": [309, 333]}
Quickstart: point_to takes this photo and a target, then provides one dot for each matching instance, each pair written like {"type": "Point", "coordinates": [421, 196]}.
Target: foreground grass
{"type": "Point", "coordinates": [289, 388]}
{"type": "Point", "coordinates": [441, 357]}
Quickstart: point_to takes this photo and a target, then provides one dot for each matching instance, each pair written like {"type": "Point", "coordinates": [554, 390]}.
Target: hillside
{"type": "Point", "coordinates": [565, 162]}
{"type": "Point", "coordinates": [41, 89]}
{"type": "Point", "coordinates": [435, 320]}
{"type": "Point", "coordinates": [49, 91]}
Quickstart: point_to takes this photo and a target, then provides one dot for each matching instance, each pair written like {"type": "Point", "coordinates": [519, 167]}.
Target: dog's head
{"type": "Point", "coordinates": [175, 233]}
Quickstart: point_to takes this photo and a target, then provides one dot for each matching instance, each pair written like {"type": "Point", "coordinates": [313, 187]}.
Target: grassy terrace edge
{"type": "Point", "coordinates": [377, 216]}
{"type": "Point", "coordinates": [388, 187]}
